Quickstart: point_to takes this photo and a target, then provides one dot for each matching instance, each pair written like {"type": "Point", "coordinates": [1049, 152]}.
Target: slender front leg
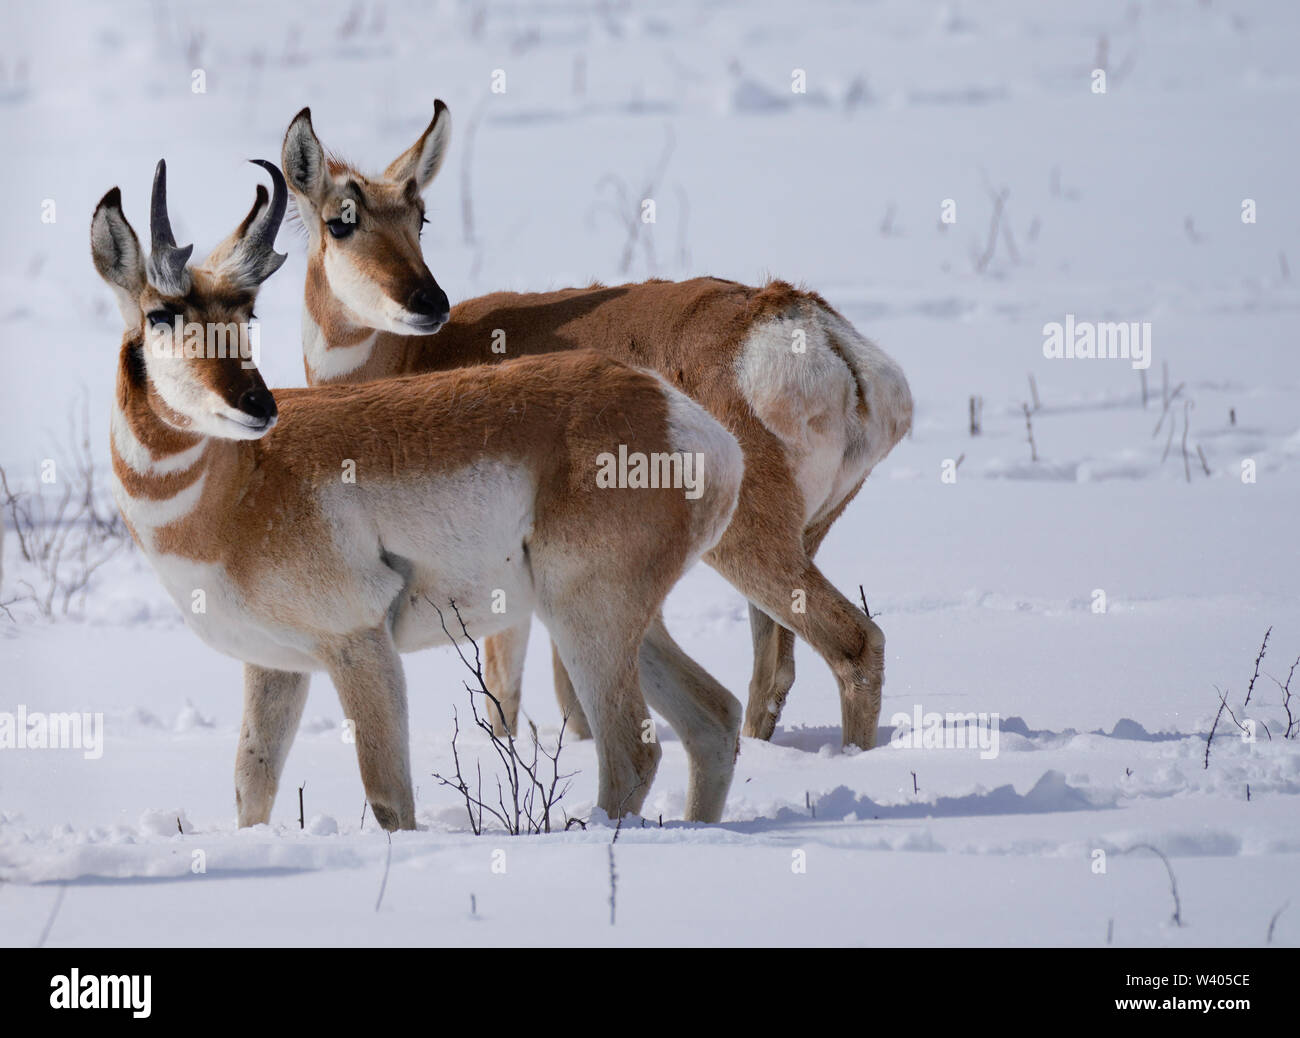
{"type": "Point", "coordinates": [273, 702]}
{"type": "Point", "coordinates": [367, 672]}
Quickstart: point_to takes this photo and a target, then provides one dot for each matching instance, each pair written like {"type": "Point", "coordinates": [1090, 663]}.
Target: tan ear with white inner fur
{"type": "Point", "coordinates": [422, 160]}
{"type": "Point", "coordinates": [116, 252]}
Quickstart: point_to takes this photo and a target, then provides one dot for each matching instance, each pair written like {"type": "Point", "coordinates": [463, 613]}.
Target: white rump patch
{"type": "Point", "coordinates": [806, 392]}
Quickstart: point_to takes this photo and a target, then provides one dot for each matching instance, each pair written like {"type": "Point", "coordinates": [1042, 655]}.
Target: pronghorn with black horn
{"type": "Point", "coordinates": [461, 485]}
{"type": "Point", "coordinates": [814, 404]}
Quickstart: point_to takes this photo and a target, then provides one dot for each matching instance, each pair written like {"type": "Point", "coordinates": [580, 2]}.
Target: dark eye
{"type": "Point", "coordinates": [161, 318]}
{"type": "Point", "coordinates": [340, 228]}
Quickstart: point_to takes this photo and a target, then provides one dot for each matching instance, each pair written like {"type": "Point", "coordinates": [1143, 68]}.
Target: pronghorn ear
{"type": "Point", "coordinates": [422, 160]}
{"type": "Point", "coordinates": [303, 158]}
{"type": "Point", "coordinates": [117, 255]}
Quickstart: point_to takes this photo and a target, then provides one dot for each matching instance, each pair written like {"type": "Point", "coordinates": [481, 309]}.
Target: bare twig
{"type": "Point", "coordinates": [1292, 723]}
{"type": "Point", "coordinates": [1029, 430]}
{"type": "Point", "coordinates": [54, 914]}
{"type": "Point", "coordinates": [467, 175]}
{"type": "Point", "coordinates": [1169, 399]}
{"type": "Point", "coordinates": [1173, 883]}
{"type": "Point", "coordinates": [67, 536]}
{"type": "Point", "coordinates": [1273, 922]}
{"type": "Point", "coordinates": [613, 874]}
{"type": "Point", "coordinates": [999, 203]}
{"type": "Point", "coordinates": [388, 861]}
{"type": "Point", "coordinates": [1209, 739]}
{"type": "Point", "coordinates": [1255, 676]}
{"type": "Point", "coordinates": [526, 799]}
{"type": "Point", "coordinates": [626, 210]}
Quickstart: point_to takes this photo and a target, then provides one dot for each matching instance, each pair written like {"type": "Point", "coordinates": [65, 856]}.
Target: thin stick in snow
{"type": "Point", "coordinates": [1291, 722]}
{"type": "Point", "coordinates": [388, 860]}
{"type": "Point", "coordinates": [863, 595]}
{"type": "Point", "coordinates": [1209, 739]}
{"type": "Point", "coordinates": [1273, 922]}
{"type": "Point", "coordinates": [1254, 677]}
{"type": "Point", "coordinates": [999, 201]}
{"type": "Point", "coordinates": [1173, 883]}
{"type": "Point", "coordinates": [1169, 400]}
{"type": "Point", "coordinates": [54, 914]}
{"type": "Point", "coordinates": [613, 885]}
{"type": "Point", "coordinates": [1029, 429]}
{"type": "Point", "coordinates": [613, 875]}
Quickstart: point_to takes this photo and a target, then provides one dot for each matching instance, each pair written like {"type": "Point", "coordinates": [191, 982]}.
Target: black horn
{"type": "Point", "coordinates": [254, 257]}
{"type": "Point", "coordinates": [166, 261]}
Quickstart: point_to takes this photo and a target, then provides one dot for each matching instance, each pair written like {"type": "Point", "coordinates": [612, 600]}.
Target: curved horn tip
{"type": "Point", "coordinates": [276, 176]}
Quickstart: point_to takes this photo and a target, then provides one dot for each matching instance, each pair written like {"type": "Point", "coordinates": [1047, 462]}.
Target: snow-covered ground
{"type": "Point", "coordinates": [1123, 206]}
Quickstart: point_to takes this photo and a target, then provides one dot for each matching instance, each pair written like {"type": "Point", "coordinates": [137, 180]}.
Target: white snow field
{"type": "Point", "coordinates": [1124, 206]}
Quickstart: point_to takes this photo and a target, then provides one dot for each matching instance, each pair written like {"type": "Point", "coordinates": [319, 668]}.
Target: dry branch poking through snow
{"type": "Point", "coordinates": [532, 795]}
{"type": "Point", "coordinates": [66, 534]}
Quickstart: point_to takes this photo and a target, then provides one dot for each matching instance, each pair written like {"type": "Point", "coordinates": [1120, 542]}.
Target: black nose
{"type": "Point", "coordinates": [258, 403]}
{"type": "Point", "coordinates": [429, 301]}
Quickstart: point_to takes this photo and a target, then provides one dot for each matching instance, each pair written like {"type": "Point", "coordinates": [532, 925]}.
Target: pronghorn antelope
{"type": "Point", "coordinates": [814, 404]}
{"type": "Point", "coordinates": [465, 483]}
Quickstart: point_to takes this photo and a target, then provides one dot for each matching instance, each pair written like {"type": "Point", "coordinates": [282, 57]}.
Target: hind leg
{"type": "Point", "coordinates": [774, 648]}
{"type": "Point", "coordinates": [773, 673]}
{"type": "Point", "coordinates": [607, 685]}
{"type": "Point", "coordinates": [597, 631]}
{"type": "Point", "coordinates": [503, 673]}
{"type": "Point", "coordinates": [705, 716]}
{"type": "Point", "coordinates": [850, 642]}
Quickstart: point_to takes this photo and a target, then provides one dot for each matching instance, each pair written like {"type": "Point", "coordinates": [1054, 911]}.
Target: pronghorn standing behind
{"type": "Point", "coordinates": [814, 404]}
{"type": "Point", "coordinates": [464, 484]}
